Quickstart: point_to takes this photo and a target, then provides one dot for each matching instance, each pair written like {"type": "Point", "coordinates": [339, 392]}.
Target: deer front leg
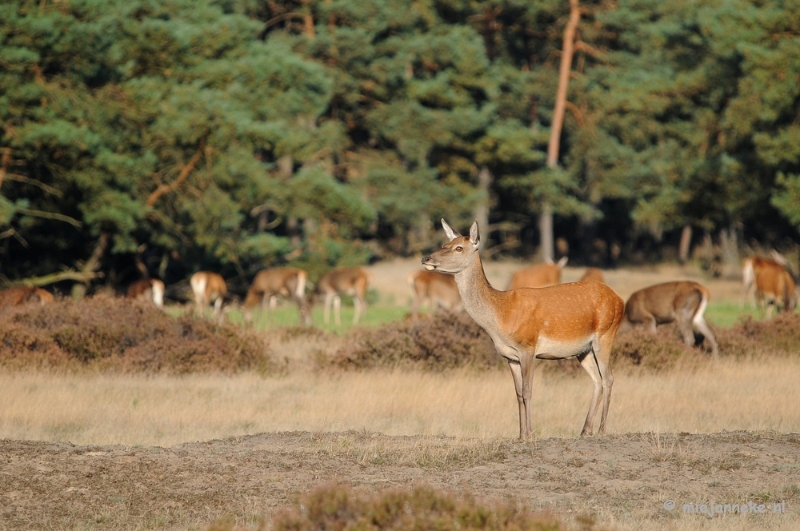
{"type": "Point", "coordinates": [516, 373]}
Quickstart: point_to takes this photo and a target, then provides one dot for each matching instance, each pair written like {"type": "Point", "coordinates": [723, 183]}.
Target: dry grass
{"type": "Point", "coordinates": [167, 410]}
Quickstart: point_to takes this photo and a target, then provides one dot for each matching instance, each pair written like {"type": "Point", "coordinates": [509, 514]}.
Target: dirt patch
{"type": "Point", "coordinates": [617, 478]}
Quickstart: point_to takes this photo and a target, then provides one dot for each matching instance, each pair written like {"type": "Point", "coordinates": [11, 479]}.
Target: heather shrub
{"type": "Point", "coordinates": [443, 341]}
{"type": "Point", "coordinates": [116, 334]}
{"type": "Point", "coordinates": [338, 507]}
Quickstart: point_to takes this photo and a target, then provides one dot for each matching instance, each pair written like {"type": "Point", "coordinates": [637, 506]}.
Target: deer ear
{"type": "Point", "coordinates": [474, 235]}
{"type": "Point", "coordinates": [448, 230]}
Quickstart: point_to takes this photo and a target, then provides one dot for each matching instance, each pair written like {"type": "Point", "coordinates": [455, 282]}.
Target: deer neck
{"type": "Point", "coordinates": [478, 296]}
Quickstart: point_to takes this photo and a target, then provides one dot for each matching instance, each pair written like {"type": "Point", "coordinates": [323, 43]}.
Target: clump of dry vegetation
{"type": "Point", "coordinates": [338, 507]}
{"type": "Point", "coordinates": [119, 335]}
{"type": "Point", "coordinates": [443, 341]}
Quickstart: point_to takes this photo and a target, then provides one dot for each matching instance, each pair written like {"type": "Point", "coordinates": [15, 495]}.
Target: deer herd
{"type": "Point", "coordinates": [536, 317]}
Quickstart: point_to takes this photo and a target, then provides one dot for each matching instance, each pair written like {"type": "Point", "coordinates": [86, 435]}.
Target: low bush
{"type": "Point", "coordinates": [120, 335]}
{"type": "Point", "coordinates": [338, 507]}
{"type": "Point", "coordinates": [443, 341]}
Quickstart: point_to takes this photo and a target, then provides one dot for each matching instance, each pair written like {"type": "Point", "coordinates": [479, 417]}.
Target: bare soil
{"type": "Point", "coordinates": [616, 478]}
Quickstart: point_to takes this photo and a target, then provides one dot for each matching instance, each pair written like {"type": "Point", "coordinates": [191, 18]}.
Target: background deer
{"type": "Point", "coordinates": [772, 283]}
{"type": "Point", "coordinates": [592, 274]}
{"type": "Point", "coordinates": [345, 281]}
{"type": "Point", "coordinates": [288, 282]}
{"type": "Point", "coordinates": [576, 320]}
{"type": "Point", "coordinates": [434, 289]}
{"type": "Point", "coordinates": [20, 295]}
{"type": "Point", "coordinates": [208, 288]}
{"type": "Point", "coordinates": [150, 289]}
{"type": "Point", "coordinates": [684, 302]}
{"type": "Point", "coordinates": [538, 276]}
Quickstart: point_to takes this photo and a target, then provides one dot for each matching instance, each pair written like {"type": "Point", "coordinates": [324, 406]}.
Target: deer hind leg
{"type": "Point", "coordinates": [360, 307]}
{"type": "Point", "coordinates": [595, 362]}
{"type": "Point", "coordinates": [337, 309]}
{"type": "Point", "coordinates": [218, 308]}
{"type": "Point", "coordinates": [702, 326]}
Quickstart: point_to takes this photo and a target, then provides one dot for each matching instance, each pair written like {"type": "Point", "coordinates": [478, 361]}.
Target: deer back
{"type": "Point", "coordinates": [538, 275]}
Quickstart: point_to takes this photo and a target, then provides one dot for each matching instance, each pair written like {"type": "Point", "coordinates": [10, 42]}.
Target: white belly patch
{"type": "Point", "coordinates": [557, 349]}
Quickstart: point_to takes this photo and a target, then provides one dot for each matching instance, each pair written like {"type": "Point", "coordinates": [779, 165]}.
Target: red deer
{"type": "Point", "coordinates": [150, 289]}
{"type": "Point", "coordinates": [437, 289]}
{"type": "Point", "coordinates": [209, 288]}
{"type": "Point", "coordinates": [684, 302]}
{"type": "Point", "coordinates": [576, 320]}
{"type": "Point", "coordinates": [592, 275]}
{"type": "Point", "coordinates": [772, 283]}
{"type": "Point", "coordinates": [345, 281]}
{"type": "Point", "coordinates": [270, 284]}
{"type": "Point", "coordinates": [538, 276]}
{"type": "Point", "coordinates": [22, 295]}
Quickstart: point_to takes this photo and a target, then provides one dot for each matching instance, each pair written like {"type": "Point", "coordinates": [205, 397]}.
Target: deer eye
{"type": "Point", "coordinates": [459, 249]}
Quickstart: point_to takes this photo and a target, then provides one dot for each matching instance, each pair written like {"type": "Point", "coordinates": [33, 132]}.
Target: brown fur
{"type": "Point", "coordinates": [150, 289]}
{"type": "Point", "coordinates": [684, 302]}
{"type": "Point", "coordinates": [345, 281]}
{"type": "Point", "coordinates": [593, 275]}
{"type": "Point", "coordinates": [773, 284]}
{"type": "Point", "coordinates": [538, 276]}
{"type": "Point", "coordinates": [21, 295]}
{"type": "Point", "coordinates": [209, 288]}
{"type": "Point", "coordinates": [269, 284]}
{"type": "Point", "coordinates": [437, 289]}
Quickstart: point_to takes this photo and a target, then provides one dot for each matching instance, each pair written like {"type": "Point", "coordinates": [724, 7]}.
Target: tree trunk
{"type": "Point", "coordinates": [685, 245]}
{"type": "Point", "coordinates": [482, 210]}
{"type": "Point", "coordinates": [553, 147]}
{"type": "Point", "coordinates": [731, 267]}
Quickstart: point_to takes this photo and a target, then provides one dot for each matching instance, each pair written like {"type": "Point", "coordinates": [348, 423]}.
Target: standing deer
{"type": "Point", "coordinates": [20, 295]}
{"type": "Point", "coordinates": [148, 289]}
{"type": "Point", "coordinates": [772, 283]}
{"type": "Point", "coordinates": [209, 288]}
{"type": "Point", "coordinates": [538, 276]}
{"type": "Point", "coordinates": [592, 274]}
{"type": "Point", "coordinates": [576, 320]}
{"type": "Point", "coordinates": [277, 282]}
{"type": "Point", "coordinates": [437, 289]}
{"type": "Point", "coordinates": [345, 281]}
{"type": "Point", "coordinates": [684, 302]}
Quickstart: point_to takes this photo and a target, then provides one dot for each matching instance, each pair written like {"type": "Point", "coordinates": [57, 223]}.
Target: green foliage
{"type": "Point", "coordinates": [233, 135]}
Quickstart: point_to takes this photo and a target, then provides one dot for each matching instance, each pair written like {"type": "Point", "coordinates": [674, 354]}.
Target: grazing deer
{"type": "Point", "coordinates": [684, 302]}
{"type": "Point", "coordinates": [592, 275]}
{"type": "Point", "coordinates": [277, 282]}
{"type": "Point", "coordinates": [437, 289]}
{"type": "Point", "coordinates": [148, 289]}
{"type": "Point", "coordinates": [345, 281]}
{"type": "Point", "coordinates": [20, 295]}
{"type": "Point", "coordinates": [576, 320]}
{"type": "Point", "coordinates": [772, 283]}
{"type": "Point", "coordinates": [209, 288]}
{"type": "Point", "coordinates": [538, 276]}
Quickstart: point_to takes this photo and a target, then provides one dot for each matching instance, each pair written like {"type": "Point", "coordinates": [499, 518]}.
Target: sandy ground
{"type": "Point", "coordinates": [625, 481]}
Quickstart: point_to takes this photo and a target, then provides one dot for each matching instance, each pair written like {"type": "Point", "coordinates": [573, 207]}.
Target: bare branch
{"type": "Point", "coordinates": [182, 176]}
{"type": "Point", "coordinates": [50, 215]}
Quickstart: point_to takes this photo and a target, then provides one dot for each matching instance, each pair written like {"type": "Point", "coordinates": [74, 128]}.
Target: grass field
{"type": "Point", "coordinates": [753, 395]}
